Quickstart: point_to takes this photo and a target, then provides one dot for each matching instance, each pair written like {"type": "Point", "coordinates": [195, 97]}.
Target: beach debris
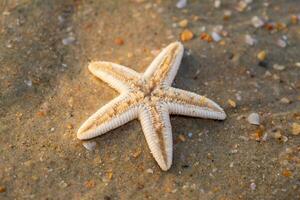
{"type": "Point", "coordinates": [119, 41]}
{"type": "Point", "coordinates": [216, 37]}
{"type": "Point", "coordinates": [241, 6]}
{"type": "Point", "coordinates": [281, 43]}
{"type": "Point", "coordinates": [262, 55]}
{"type": "Point", "coordinates": [227, 14]}
{"type": "Point", "coordinates": [250, 40]}
{"type": "Point", "coordinates": [231, 103]}
{"type": "Point", "coordinates": [278, 67]}
{"type": "Point", "coordinates": [190, 135]}
{"type": "Point", "coordinates": [252, 186]}
{"type": "Point", "coordinates": [181, 4]}
{"type": "Point", "coordinates": [183, 23]}
{"type": "Point", "coordinates": [206, 37]}
{"type": "Point", "coordinates": [186, 35]}
{"type": "Point", "coordinates": [257, 22]}
{"type": "Point", "coordinates": [217, 3]}
{"type": "Point", "coordinates": [149, 171]}
{"type": "Point", "coordinates": [68, 40]}
{"type": "Point", "coordinates": [254, 119]}
{"type": "Point", "coordinates": [295, 128]}
{"type": "Point", "coordinates": [89, 145]}
{"type": "Point", "coordinates": [285, 100]}
{"type": "Point", "coordinates": [28, 82]}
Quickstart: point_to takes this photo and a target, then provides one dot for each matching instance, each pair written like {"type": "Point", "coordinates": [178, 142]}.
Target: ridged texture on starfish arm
{"type": "Point", "coordinates": [117, 76]}
{"type": "Point", "coordinates": [112, 115]}
{"type": "Point", "coordinates": [150, 98]}
{"type": "Point", "coordinates": [157, 129]}
{"type": "Point", "coordinates": [181, 102]}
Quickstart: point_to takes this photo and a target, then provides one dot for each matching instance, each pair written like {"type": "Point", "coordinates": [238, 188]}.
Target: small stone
{"type": "Point", "coordinates": [278, 67]}
{"type": "Point", "coordinates": [285, 100]}
{"type": "Point", "coordinates": [28, 82]}
{"type": "Point", "coordinates": [186, 35]}
{"type": "Point", "coordinates": [241, 6]}
{"type": "Point", "coordinates": [149, 171]}
{"type": "Point", "coordinates": [217, 3]}
{"type": "Point", "coordinates": [89, 145]}
{"type": "Point", "coordinates": [2, 189]}
{"type": "Point", "coordinates": [227, 14]}
{"type": "Point", "coordinates": [109, 175]}
{"type": "Point", "coordinates": [231, 103]}
{"type": "Point", "coordinates": [63, 184]}
{"type": "Point", "coordinates": [296, 129]}
{"type": "Point", "coordinates": [182, 138]}
{"type": "Point", "coordinates": [190, 135]}
{"type": "Point", "coordinates": [216, 37]}
{"type": "Point", "coordinates": [206, 37]}
{"type": "Point", "coordinates": [297, 64]}
{"type": "Point", "coordinates": [250, 40]}
{"type": "Point", "coordinates": [119, 41]}
{"type": "Point", "coordinates": [252, 186]}
{"type": "Point", "coordinates": [183, 23]}
{"type": "Point", "coordinates": [52, 129]}
{"type": "Point", "coordinates": [181, 4]}
{"type": "Point", "coordinates": [70, 126]}
{"type": "Point", "coordinates": [262, 55]}
{"type": "Point", "coordinates": [294, 19]}
{"type": "Point", "coordinates": [90, 184]}
{"type": "Point", "coordinates": [257, 22]}
{"type": "Point", "coordinates": [68, 40]}
{"type": "Point", "coordinates": [281, 43]}
{"type": "Point", "coordinates": [253, 118]}
{"type": "Point", "coordinates": [287, 173]}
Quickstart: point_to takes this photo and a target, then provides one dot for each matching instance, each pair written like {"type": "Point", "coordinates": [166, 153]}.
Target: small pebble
{"type": "Point", "coordinates": [68, 40]}
{"type": "Point", "coordinates": [250, 40]}
{"type": "Point", "coordinates": [119, 41]}
{"type": "Point", "coordinates": [296, 129]}
{"type": "Point", "coordinates": [181, 4]}
{"type": "Point", "coordinates": [253, 186]}
{"type": "Point", "coordinates": [241, 6]}
{"type": "Point", "coordinates": [190, 134]}
{"type": "Point", "coordinates": [285, 100]}
{"type": "Point", "coordinates": [89, 145]}
{"type": "Point", "coordinates": [278, 67]}
{"type": "Point", "coordinates": [262, 55]}
{"type": "Point", "coordinates": [216, 37]}
{"type": "Point", "coordinates": [217, 3]}
{"type": "Point", "coordinates": [149, 171]}
{"type": "Point", "coordinates": [227, 14]}
{"type": "Point", "coordinates": [297, 64]}
{"type": "Point", "coordinates": [186, 35]}
{"type": "Point", "coordinates": [183, 23]}
{"type": "Point", "coordinates": [281, 43]}
{"type": "Point", "coordinates": [253, 118]}
{"type": "Point", "coordinates": [257, 22]}
{"type": "Point", "coordinates": [28, 83]}
{"type": "Point", "coordinates": [231, 103]}
{"type": "Point", "coordinates": [2, 189]}
{"type": "Point", "coordinates": [182, 138]}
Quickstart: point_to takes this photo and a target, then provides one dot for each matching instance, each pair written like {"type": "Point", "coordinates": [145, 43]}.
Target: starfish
{"type": "Point", "coordinates": [150, 98]}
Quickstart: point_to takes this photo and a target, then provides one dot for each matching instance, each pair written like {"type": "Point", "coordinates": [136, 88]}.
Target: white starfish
{"type": "Point", "coordinates": [150, 98]}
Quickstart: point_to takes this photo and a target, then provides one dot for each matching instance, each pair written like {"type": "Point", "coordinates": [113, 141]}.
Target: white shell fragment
{"type": "Point", "coordinates": [216, 37]}
{"type": "Point", "coordinates": [89, 145]}
{"type": "Point", "coordinates": [253, 118]}
{"type": "Point", "coordinates": [250, 40]}
{"type": "Point", "coordinates": [181, 4]}
{"type": "Point", "coordinates": [257, 22]}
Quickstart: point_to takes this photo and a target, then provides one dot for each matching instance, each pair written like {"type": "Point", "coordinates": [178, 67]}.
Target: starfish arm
{"type": "Point", "coordinates": [163, 68]}
{"type": "Point", "coordinates": [117, 76]}
{"type": "Point", "coordinates": [156, 126]}
{"type": "Point", "coordinates": [187, 103]}
{"type": "Point", "coordinates": [117, 112]}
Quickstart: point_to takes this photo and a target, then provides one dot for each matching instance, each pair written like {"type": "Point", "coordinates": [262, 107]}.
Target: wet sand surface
{"type": "Point", "coordinates": [46, 92]}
